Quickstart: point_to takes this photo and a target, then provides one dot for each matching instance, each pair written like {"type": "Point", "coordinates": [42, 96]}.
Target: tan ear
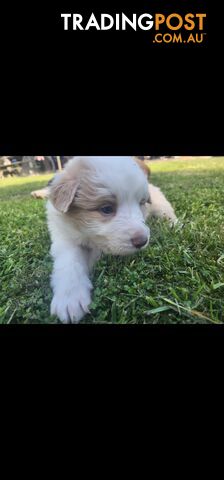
{"type": "Point", "coordinates": [63, 193]}
{"type": "Point", "coordinates": [143, 165]}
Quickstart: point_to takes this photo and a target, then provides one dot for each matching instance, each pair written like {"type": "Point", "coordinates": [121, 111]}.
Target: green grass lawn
{"type": "Point", "coordinates": [178, 279]}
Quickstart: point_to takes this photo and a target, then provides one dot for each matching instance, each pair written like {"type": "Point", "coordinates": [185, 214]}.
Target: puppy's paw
{"type": "Point", "coordinates": [169, 216]}
{"type": "Point", "coordinates": [173, 220]}
{"type": "Point", "coordinates": [40, 193]}
{"type": "Point", "coordinates": [71, 307]}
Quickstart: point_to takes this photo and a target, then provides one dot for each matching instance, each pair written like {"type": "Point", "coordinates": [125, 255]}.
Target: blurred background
{"type": "Point", "coordinates": [11, 166]}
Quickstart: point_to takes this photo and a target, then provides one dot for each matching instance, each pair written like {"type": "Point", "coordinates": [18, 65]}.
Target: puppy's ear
{"type": "Point", "coordinates": [63, 193]}
{"type": "Point", "coordinates": [143, 165]}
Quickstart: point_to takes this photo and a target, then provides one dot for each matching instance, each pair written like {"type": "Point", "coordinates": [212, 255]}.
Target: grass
{"type": "Point", "coordinates": [178, 279]}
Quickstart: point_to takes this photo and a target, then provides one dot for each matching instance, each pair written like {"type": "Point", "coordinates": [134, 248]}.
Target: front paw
{"type": "Point", "coordinates": [71, 307]}
{"type": "Point", "coordinates": [173, 220]}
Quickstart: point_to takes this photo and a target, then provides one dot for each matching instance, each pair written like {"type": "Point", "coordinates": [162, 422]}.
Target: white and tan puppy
{"type": "Point", "coordinates": [96, 205]}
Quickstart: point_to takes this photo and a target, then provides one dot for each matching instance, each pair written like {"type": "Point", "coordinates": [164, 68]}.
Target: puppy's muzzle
{"type": "Point", "coordinates": [139, 241]}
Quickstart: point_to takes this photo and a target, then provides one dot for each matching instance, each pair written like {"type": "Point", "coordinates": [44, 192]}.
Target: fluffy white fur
{"type": "Point", "coordinates": [81, 230]}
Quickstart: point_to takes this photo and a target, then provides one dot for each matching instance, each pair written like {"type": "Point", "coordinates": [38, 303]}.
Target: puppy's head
{"type": "Point", "coordinates": [105, 199]}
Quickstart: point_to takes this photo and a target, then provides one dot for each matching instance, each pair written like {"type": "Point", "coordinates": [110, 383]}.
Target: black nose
{"type": "Point", "coordinates": [139, 241]}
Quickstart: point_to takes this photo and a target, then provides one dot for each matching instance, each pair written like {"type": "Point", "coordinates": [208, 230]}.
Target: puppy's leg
{"type": "Point", "coordinates": [70, 282]}
{"type": "Point", "coordinates": [160, 207]}
{"type": "Point", "coordinates": [43, 193]}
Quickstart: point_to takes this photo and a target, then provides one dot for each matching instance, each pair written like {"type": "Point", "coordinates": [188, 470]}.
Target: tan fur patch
{"type": "Point", "coordinates": [62, 194]}
{"type": "Point", "coordinates": [81, 217]}
{"type": "Point", "coordinates": [78, 193]}
{"type": "Point", "coordinates": [89, 198]}
{"type": "Point", "coordinates": [65, 186]}
{"type": "Point", "coordinates": [92, 197]}
{"type": "Point", "coordinates": [143, 165]}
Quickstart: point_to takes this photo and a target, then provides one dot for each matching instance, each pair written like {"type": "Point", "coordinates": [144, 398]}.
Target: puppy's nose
{"type": "Point", "coordinates": [139, 241]}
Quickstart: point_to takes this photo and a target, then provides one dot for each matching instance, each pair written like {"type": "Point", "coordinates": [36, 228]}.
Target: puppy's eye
{"type": "Point", "coordinates": [107, 210]}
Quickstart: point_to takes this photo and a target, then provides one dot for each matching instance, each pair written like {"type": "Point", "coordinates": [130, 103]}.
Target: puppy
{"type": "Point", "coordinates": [96, 205]}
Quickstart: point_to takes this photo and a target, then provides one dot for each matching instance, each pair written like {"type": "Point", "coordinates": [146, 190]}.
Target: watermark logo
{"type": "Point", "coordinates": [176, 28]}
{"type": "Point", "coordinates": [171, 28]}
